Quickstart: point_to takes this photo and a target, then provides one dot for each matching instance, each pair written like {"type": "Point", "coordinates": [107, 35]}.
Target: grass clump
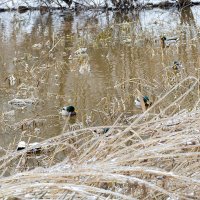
{"type": "Point", "coordinates": [151, 156]}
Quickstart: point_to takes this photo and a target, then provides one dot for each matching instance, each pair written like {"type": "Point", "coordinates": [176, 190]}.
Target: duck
{"type": "Point", "coordinates": [177, 65]}
{"type": "Point", "coordinates": [23, 145]}
{"type": "Point", "coordinates": [165, 42]}
{"type": "Point", "coordinates": [101, 130]}
{"type": "Point", "coordinates": [68, 111]}
{"type": "Point", "coordinates": [146, 102]}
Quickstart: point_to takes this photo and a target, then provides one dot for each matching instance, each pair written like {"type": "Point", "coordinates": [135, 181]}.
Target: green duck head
{"type": "Point", "coordinates": [176, 65]}
{"type": "Point", "coordinates": [70, 109]}
{"type": "Point", "coordinates": [145, 99]}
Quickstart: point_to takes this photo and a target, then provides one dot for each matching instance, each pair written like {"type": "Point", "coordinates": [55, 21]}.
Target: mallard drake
{"type": "Point", "coordinates": [146, 102]}
{"type": "Point", "coordinates": [22, 145]}
{"type": "Point", "coordinates": [165, 42]}
{"type": "Point", "coordinates": [177, 65]}
{"type": "Point", "coordinates": [68, 111]}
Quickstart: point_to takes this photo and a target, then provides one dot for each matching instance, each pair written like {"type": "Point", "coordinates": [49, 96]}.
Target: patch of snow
{"type": "Point", "coordinates": [28, 3]}
{"type": "Point", "coordinates": [155, 1]}
{"type": "Point", "coordinates": [36, 3]}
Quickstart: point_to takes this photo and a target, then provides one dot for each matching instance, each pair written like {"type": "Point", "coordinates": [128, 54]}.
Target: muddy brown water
{"type": "Point", "coordinates": [39, 61]}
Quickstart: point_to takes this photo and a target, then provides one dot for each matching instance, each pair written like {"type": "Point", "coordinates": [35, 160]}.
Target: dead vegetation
{"type": "Point", "coordinates": [148, 157]}
{"type": "Point", "coordinates": [153, 155]}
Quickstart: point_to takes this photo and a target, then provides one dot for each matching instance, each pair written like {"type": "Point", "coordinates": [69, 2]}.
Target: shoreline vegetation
{"type": "Point", "coordinates": [147, 156]}
{"type": "Point", "coordinates": [181, 4]}
{"type": "Point", "coordinates": [153, 155]}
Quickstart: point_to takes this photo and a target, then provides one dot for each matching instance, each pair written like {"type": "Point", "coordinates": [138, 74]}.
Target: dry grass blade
{"type": "Point", "coordinates": [155, 158]}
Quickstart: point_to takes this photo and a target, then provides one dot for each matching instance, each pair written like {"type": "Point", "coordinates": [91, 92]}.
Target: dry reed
{"type": "Point", "coordinates": [154, 155]}
{"type": "Point", "coordinates": [149, 157]}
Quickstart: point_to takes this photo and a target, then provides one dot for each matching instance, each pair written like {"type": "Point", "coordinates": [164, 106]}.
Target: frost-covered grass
{"type": "Point", "coordinates": [148, 157]}
{"type": "Point", "coordinates": [153, 155]}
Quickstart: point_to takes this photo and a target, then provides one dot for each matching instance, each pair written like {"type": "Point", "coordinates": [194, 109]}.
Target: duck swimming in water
{"type": "Point", "coordinates": [146, 102]}
{"type": "Point", "coordinates": [165, 42]}
{"type": "Point", "coordinates": [68, 111]}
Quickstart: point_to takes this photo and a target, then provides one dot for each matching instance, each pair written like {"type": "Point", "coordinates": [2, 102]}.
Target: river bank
{"type": "Point", "coordinates": [24, 6]}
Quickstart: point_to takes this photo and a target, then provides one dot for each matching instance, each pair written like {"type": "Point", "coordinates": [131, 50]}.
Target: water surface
{"type": "Point", "coordinates": [123, 54]}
